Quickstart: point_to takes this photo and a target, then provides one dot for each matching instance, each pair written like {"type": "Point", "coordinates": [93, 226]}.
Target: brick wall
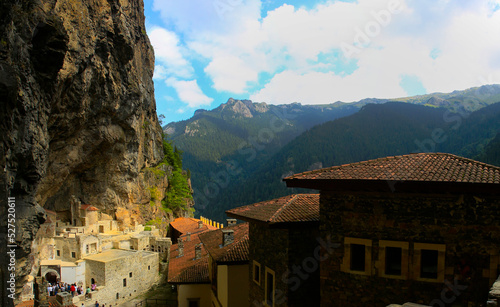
{"type": "Point", "coordinates": [467, 226]}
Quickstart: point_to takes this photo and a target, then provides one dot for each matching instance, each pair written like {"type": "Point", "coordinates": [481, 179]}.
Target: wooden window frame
{"type": "Point", "coordinates": [346, 263]}
{"type": "Point", "coordinates": [256, 264]}
{"type": "Point", "coordinates": [405, 246]}
{"type": "Point", "coordinates": [417, 253]}
{"type": "Point", "coordinates": [268, 270]}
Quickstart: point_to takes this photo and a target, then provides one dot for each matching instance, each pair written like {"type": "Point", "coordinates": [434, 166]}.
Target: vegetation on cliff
{"type": "Point", "coordinates": [178, 192]}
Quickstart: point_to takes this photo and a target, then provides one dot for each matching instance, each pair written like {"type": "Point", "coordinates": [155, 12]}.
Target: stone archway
{"type": "Point", "coordinates": [52, 276]}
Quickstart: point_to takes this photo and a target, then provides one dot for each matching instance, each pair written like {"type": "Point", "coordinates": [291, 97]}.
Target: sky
{"type": "Point", "coordinates": [317, 52]}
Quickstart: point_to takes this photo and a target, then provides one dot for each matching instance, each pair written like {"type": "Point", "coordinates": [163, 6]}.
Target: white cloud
{"type": "Point", "coordinates": [189, 92]}
{"type": "Point", "coordinates": [168, 55]}
{"type": "Point", "coordinates": [197, 17]}
{"type": "Point", "coordinates": [237, 46]}
{"type": "Point", "coordinates": [230, 73]}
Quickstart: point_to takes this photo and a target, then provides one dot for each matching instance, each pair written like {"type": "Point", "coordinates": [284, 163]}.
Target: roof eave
{"type": "Point", "coordinates": [234, 262]}
{"type": "Point", "coordinates": [188, 282]}
{"type": "Point", "coordinates": [358, 185]}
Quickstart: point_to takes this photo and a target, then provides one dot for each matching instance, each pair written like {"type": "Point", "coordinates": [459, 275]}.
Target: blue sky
{"type": "Point", "coordinates": [317, 52]}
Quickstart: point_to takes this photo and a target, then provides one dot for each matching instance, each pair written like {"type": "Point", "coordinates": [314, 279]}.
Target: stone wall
{"type": "Point", "coordinates": [290, 254]}
{"type": "Point", "coordinates": [304, 266]}
{"type": "Point", "coordinates": [269, 248]}
{"type": "Point", "coordinates": [124, 277]}
{"type": "Point", "coordinates": [466, 225]}
{"type": "Point", "coordinates": [67, 246]}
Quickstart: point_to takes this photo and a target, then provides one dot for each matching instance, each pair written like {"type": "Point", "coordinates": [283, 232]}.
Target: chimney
{"type": "Point", "coordinates": [231, 222]}
{"type": "Point", "coordinates": [200, 224]}
{"type": "Point", "coordinates": [227, 236]}
{"type": "Point", "coordinates": [180, 247]}
{"type": "Point", "coordinates": [188, 237]}
{"type": "Point", "coordinates": [197, 251]}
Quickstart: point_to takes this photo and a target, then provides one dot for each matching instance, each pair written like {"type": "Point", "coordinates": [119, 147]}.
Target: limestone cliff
{"type": "Point", "coordinates": [78, 119]}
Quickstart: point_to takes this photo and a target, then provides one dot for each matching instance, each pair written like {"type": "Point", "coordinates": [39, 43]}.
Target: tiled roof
{"type": "Point", "coordinates": [88, 208]}
{"type": "Point", "coordinates": [430, 167]}
{"type": "Point", "coordinates": [287, 209]}
{"type": "Point", "coordinates": [233, 252]}
{"type": "Point", "coordinates": [196, 273]}
{"type": "Point", "coordinates": [185, 269]}
{"type": "Point", "coordinates": [188, 224]}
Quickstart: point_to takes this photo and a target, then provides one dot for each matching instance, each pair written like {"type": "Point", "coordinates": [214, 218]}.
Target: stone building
{"type": "Point", "coordinates": [99, 250]}
{"type": "Point", "coordinates": [188, 266]}
{"type": "Point", "coordinates": [283, 250]}
{"type": "Point", "coordinates": [228, 264]}
{"type": "Point", "coordinates": [420, 228]}
{"type": "Point", "coordinates": [121, 274]}
{"type": "Point", "coordinates": [183, 225]}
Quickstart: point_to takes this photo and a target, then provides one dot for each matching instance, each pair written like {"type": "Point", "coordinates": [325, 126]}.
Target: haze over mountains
{"type": "Point", "coordinates": [239, 152]}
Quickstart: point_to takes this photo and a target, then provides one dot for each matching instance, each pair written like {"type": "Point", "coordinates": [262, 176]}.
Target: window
{"type": "Point", "coordinates": [58, 253]}
{"type": "Point", "coordinates": [149, 267]}
{"type": "Point", "coordinates": [87, 249]}
{"type": "Point", "coordinates": [393, 259]}
{"type": "Point", "coordinates": [270, 288]}
{"type": "Point", "coordinates": [73, 255]}
{"type": "Point", "coordinates": [256, 272]}
{"type": "Point", "coordinates": [117, 296]}
{"type": "Point", "coordinates": [130, 274]}
{"type": "Point", "coordinates": [124, 282]}
{"type": "Point", "coordinates": [357, 256]}
{"type": "Point", "coordinates": [193, 302]}
{"type": "Point", "coordinates": [429, 262]}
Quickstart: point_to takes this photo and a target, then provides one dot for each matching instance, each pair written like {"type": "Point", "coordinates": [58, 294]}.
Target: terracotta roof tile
{"type": "Point", "coordinates": [428, 167]}
{"type": "Point", "coordinates": [233, 252]}
{"type": "Point", "coordinates": [196, 273]}
{"type": "Point", "coordinates": [88, 208]}
{"type": "Point", "coordinates": [186, 269]}
{"type": "Point", "coordinates": [188, 224]}
{"type": "Point", "coordinates": [287, 209]}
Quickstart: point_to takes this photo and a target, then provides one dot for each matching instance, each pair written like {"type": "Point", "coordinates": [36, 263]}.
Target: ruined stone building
{"type": "Point", "coordinates": [95, 249]}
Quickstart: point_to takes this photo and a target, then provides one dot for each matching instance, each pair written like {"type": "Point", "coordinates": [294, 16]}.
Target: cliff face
{"type": "Point", "coordinates": [78, 117]}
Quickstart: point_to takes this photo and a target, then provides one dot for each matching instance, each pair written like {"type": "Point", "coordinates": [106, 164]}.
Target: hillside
{"type": "Point", "coordinates": [229, 144]}
{"type": "Point", "coordinates": [393, 128]}
{"type": "Point", "coordinates": [243, 134]}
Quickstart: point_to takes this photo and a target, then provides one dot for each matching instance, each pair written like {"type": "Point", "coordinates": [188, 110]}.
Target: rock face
{"type": "Point", "coordinates": [78, 118]}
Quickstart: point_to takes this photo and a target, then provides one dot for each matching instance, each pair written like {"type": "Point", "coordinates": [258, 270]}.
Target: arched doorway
{"type": "Point", "coordinates": [51, 277]}
{"type": "Point", "coordinates": [92, 281]}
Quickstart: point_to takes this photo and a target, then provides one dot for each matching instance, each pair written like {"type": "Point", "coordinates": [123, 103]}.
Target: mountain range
{"type": "Point", "coordinates": [239, 152]}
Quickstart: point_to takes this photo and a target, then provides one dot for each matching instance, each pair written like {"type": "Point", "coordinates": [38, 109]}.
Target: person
{"type": "Point", "coordinates": [72, 289]}
{"type": "Point", "coordinates": [96, 304]}
{"type": "Point", "coordinates": [49, 290]}
{"type": "Point", "coordinates": [88, 292]}
{"type": "Point", "coordinates": [93, 287]}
